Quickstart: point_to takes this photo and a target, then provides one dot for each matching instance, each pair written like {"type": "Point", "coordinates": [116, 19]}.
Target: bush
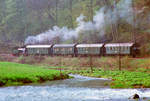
{"type": "Point", "coordinates": [30, 59]}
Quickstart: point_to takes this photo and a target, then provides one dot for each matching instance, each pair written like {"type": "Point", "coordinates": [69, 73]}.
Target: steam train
{"type": "Point", "coordinates": [102, 49]}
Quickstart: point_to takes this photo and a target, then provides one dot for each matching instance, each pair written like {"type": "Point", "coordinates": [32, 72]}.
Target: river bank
{"type": "Point", "coordinates": [21, 74]}
{"type": "Point", "coordinates": [120, 79]}
{"type": "Point", "coordinates": [135, 71]}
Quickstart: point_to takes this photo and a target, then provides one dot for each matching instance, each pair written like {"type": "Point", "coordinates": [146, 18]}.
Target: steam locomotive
{"type": "Point", "coordinates": [102, 49]}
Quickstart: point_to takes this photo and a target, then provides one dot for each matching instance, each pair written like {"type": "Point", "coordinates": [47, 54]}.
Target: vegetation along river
{"type": "Point", "coordinates": [77, 89]}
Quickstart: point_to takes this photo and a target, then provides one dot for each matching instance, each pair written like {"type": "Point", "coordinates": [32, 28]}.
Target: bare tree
{"type": "Point", "coordinates": [91, 62]}
{"type": "Point", "coordinates": [119, 61]}
{"type": "Point", "coordinates": [113, 29]}
{"type": "Point", "coordinates": [134, 23]}
{"type": "Point", "coordinates": [71, 12]}
{"type": "Point", "coordinates": [56, 11]}
{"type": "Point", "coordinates": [91, 10]}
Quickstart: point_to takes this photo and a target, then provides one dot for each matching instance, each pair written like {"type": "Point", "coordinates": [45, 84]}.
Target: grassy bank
{"type": "Point", "coordinates": [121, 79]}
{"type": "Point", "coordinates": [135, 71]}
{"type": "Point", "coordinates": [18, 74]}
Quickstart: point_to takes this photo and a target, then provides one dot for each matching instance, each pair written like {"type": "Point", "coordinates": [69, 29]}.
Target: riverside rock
{"type": "Point", "coordinates": [135, 96]}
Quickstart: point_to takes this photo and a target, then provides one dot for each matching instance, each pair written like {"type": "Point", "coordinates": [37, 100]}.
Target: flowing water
{"type": "Point", "coordinates": [77, 89]}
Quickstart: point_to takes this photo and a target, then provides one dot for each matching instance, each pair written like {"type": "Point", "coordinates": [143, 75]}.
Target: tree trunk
{"type": "Point", "coordinates": [71, 13]}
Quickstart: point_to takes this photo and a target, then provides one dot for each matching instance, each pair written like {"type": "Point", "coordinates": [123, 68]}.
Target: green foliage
{"type": "Point", "coordinates": [14, 73]}
{"type": "Point", "coordinates": [121, 79]}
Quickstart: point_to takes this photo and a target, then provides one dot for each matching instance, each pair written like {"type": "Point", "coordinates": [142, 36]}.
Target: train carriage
{"type": "Point", "coordinates": [64, 49]}
{"type": "Point", "coordinates": [39, 49]}
{"type": "Point", "coordinates": [17, 51]}
{"type": "Point", "coordinates": [90, 49]}
{"type": "Point", "coordinates": [131, 49]}
{"type": "Point", "coordinates": [120, 49]}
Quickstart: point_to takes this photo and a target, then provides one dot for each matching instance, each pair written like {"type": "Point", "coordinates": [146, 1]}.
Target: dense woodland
{"type": "Point", "coordinates": [22, 18]}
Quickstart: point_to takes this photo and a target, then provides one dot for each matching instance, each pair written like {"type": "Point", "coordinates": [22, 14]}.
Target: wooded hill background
{"type": "Point", "coordinates": [22, 18]}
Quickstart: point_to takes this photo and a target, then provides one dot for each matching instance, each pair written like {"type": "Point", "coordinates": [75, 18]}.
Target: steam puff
{"type": "Point", "coordinates": [47, 36]}
{"type": "Point", "coordinates": [103, 18]}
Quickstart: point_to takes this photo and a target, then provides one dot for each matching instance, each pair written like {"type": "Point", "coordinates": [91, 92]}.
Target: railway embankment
{"type": "Point", "coordinates": [12, 74]}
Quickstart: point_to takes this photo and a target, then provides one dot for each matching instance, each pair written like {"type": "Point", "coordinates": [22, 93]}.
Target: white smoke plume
{"type": "Point", "coordinates": [104, 17]}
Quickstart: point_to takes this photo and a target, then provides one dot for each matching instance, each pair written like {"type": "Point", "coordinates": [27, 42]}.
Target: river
{"type": "Point", "coordinates": [79, 88]}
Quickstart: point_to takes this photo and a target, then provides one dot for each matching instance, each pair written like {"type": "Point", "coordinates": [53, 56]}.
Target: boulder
{"type": "Point", "coordinates": [135, 96]}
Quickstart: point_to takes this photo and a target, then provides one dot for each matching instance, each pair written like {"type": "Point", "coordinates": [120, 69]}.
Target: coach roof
{"type": "Point", "coordinates": [119, 45]}
{"type": "Point", "coordinates": [89, 45]}
{"type": "Point", "coordinates": [63, 45]}
{"type": "Point", "coordinates": [38, 46]}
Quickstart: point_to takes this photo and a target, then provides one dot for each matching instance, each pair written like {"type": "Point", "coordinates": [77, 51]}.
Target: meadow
{"type": "Point", "coordinates": [134, 72]}
{"type": "Point", "coordinates": [19, 74]}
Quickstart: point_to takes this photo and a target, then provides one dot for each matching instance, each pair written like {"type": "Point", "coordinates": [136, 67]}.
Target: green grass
{"type": "Point", "coordinates": [16, 74]}
{"type": "Point", "coordinates": [120, 79]}
{"type": "Point", "coordinates": [134, 74]}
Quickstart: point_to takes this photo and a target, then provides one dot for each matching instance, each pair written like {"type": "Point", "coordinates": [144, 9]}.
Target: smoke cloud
{"type": "Point", "coordinates": [103, 18]}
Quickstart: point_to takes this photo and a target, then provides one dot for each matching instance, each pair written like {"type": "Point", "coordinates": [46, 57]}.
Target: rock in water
{"type": "Point", "coordinates": [136, 96]}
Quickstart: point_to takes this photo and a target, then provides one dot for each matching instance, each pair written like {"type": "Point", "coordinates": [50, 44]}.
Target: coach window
{"type": "Point", "coordinates": [118, 48]}
{"type": "Point", "coordinates": [108, 48]}
{"type": "Point", "coordinates": [83, 48]}
{"type": "Point", "coordinates": [113, 48]}
{"type": "Point", "coordinates": [96, 49]}
{"type": "Point", "coordinates": [123, 48]}
{"type": "Point", "coordinates": [32, 50]}
{"type": "Point", "coordinates": [56, 50]}
{"type": "Point", "coordinates": [70, 49]}
{"type": "Point", "coordinates": [80, 49]}
{"type": "Point", "coordinates": [128, 48]}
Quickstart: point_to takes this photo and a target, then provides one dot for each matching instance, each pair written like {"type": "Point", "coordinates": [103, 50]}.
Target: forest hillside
{"type": "Point", "coordinates": [70, 21]}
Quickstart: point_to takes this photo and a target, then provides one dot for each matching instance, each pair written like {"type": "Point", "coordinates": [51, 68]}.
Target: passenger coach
{"type": "Point", "coordinates": [39, 49]}
{"type": "Point", "coordinates": [64, 49]}
{"type": "Point", "coordinates": [90, 49]}
{"type": "Point", "coordinates": [121, 48]}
